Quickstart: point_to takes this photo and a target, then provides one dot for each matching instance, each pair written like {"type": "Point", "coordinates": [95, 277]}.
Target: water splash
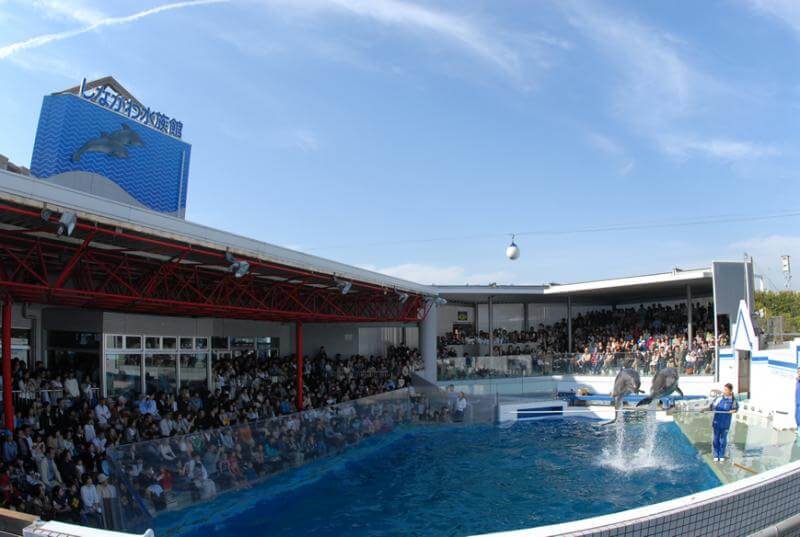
{"type": "Point", "coordinates": [632, 453]}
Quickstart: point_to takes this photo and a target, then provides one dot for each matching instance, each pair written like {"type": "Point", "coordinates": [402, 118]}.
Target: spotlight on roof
{"type": "Point", "coordinates": [66, 224]}
{"type": "Point", "coordinates": [439, 301]}
{"type": "Point", "coordinates": [512, 252]}
{"type": "Point", "coordinates": [343, 285]}
{"type": "Point", "coordinates": [402, 297]}
{"type": "Point", "coordinates": [66, 221]}
{"type": "Point", "coordinates": [239, 267]}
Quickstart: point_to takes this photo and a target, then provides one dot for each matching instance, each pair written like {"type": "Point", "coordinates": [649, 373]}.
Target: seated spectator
{"type": "Point", "coordinates": [147, 405]}
{"type": "Point", "coordinates": [102, 413]}
{"type": "Point", "coordinates": [92, 504]}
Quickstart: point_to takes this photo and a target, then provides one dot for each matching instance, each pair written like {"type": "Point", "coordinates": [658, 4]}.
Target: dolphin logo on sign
{"type": "Point", "coordinates": [114, 145]}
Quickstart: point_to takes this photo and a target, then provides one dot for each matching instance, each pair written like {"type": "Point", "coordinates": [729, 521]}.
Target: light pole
{"type": "Point", "coordinates": [786, 267]}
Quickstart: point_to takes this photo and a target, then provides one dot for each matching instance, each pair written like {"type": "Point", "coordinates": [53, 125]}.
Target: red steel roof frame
{"type": "Point", "coordinates": [109, 268]}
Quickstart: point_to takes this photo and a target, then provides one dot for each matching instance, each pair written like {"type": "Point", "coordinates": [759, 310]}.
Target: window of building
{"type": "Point", "coordinates": [123, 374]}
{"type": "Point", "coordinates": [160, 373]}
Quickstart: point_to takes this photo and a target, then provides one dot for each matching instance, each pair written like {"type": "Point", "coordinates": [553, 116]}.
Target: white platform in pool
{"type": "Point", "coordinates": [519, 409]}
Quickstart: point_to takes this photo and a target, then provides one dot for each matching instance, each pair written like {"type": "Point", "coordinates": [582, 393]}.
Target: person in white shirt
{"type": "Point", "coordinates": [461, 406]}
{"type": "Point", "coordinates": [99, 442]}
{"type": "Point", "coordinates": [147, 405]}
{"type": "Point", "coordinates": [92, 503]}
{"type": "Point", "coordinates": [166, 425]}
{"type": "Point", "coordinates": [136, 468]}
{"type": "Point", "coordinates": [87, 389]}
{"type": "Point", "coordinates": [102, 412]}
{"type": "Point", "coordinates": [71, 386]}
{"type": "Point", "coordinates": [166, 451]}
{"type": "Point", "coordinates": [199, 477]}
{"type": "Point", "coordinates": [48, 471]}
{"type": "Point", "coordinates": [155, 492]}
{"type": "Point", "coordinates": [112, 510]}
{"type": "Point", "coordinates": [89, 433]}
{"type": "Point", "coordinates": [57, 388]}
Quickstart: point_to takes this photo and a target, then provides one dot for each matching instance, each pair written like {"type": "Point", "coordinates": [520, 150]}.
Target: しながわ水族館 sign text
{"type": "Point", "coordinates": [107, 97]}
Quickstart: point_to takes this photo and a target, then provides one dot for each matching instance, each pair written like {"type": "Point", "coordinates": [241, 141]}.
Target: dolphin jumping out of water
{"type": "Point", "coordinates": [664, 383]}
{"type": "Point", "coordinates": [627, 382]}
{"type": "Point", "coordinates": [115, 144]}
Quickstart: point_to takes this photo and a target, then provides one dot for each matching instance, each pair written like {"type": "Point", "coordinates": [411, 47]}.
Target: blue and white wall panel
{"type": "Point", "coordinates": [773, 377]}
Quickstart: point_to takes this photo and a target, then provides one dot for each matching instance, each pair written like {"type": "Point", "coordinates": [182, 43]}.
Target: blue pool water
{"type": "Point", "coordinates": [450, 481]}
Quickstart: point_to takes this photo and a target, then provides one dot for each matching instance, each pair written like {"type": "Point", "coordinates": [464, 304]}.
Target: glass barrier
{"type": "Point", "coordinates": [178, 471]}
{"type": "Point", "coordinates": [601, 364]}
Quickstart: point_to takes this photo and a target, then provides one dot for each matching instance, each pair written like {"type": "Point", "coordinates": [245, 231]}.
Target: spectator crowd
{"type": "Point", "coordinates": [57, 463]}
{"type": "Point", "coordinates": [647, 338]}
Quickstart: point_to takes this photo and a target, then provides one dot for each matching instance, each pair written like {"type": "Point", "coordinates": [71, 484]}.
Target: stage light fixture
{"type": "Point", "coordinates": [239, 267]}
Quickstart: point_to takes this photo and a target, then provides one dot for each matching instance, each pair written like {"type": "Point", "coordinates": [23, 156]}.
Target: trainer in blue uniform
{"type": "Point", "coordinates": [797, 401]}
{"type": "Point", "coordinates": [724, 406]}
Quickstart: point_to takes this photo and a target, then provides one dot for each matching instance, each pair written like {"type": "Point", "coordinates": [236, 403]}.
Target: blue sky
{"type": "Point", "coordinates": [365, 130]}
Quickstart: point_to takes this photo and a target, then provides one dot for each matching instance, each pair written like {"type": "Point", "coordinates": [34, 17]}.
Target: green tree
{"type": "Point", "coordinates": [784, 304]}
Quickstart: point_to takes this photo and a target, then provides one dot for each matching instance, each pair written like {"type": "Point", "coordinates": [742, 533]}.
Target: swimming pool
{"type": "Point", "coordinates": [448, 480]}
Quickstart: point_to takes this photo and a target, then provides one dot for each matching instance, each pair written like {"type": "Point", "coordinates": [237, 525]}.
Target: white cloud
{"type": "Point", "coordinates": [73, 9]}
{"type": "Point", "coordinates": [46, 64]}
{"type": "Point", "coordinates": [605, 143]}
{"type": "Point", "coordinates": [453, 28]}
{"type": "Point", "coordinates": [653, 70]}
{"type": "Point", "coordinates": [767, 252]}
{"type": "Point", "coordinates": [443, 275]}
{"type": "Point", "coordinates": [660, 90]}
{"type": "Point", "coordinates": [41, 40]}
{"type": "Point", "coordinates": [785, 11]}
{"type": "Point", "coordinates": [718, 148]}
{"type": "Point", "coordinates": [304, 140]}
{"type": "Point", "coordinates": [627, 167]}
{"type": "Point", "coordinates": [610, 146]}
{"type": "Point", "coordinates": [508, 51]}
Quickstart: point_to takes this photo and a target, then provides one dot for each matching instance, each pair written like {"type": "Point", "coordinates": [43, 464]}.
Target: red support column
{"type": "Point", "coordinates": [299, 352]}
{"type": "Point", "coordinates": [8, 402]}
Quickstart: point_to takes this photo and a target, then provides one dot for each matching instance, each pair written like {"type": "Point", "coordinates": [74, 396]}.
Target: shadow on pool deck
{"type": "Point", "coordinates": [753, 445]}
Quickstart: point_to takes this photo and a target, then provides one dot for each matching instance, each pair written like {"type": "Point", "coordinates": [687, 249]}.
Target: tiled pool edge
{"type": "Point", "coordinates": [738, 508]}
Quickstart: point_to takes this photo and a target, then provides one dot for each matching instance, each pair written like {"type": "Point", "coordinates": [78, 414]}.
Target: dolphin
{"type": "Point", "coordinates": [127, 137]}
{"type": "Point", "coordinates": [664, 383]}
{"type": "Point", "coordinates": [627, 382]}
{"type": "Point", "coordinates": [115, 144]}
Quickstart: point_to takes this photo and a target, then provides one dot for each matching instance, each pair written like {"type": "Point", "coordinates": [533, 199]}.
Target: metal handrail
{"type": "Point", "coordinates": [544, 364]}
{"type": "Point", "coordinates": [43, 394]}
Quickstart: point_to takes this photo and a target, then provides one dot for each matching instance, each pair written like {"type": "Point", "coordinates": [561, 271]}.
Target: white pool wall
{"type": "Point", "coordinates": [739, 508]}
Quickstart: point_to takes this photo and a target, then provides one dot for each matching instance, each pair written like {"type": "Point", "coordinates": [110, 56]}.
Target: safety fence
{"type": "Point", "coordinates": [546, 364]}
{"type": "Point", "coordinates": [180, 471]}
{"type": "Point", "coordinates": [25, 398]}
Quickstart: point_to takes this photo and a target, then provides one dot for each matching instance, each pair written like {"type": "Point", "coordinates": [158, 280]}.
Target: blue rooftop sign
{"type": "Point", "coordinates": [97, 133]}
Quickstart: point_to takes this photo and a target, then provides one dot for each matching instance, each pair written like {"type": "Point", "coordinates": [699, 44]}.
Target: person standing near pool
{"type": "Point", "coordinates": [797, 402]}
{"type": "Point", "coordinates": [723, 406]}
{"type": "Point", "coordinates": [461, 406]}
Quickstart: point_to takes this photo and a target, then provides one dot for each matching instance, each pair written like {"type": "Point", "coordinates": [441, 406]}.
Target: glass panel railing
{"type": "Point", "coordinates": [180, 471]}
{"type": "Point", "coordinates": [485, 368]}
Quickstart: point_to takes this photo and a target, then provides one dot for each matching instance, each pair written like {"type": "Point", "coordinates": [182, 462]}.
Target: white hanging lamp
{"type": "Point", "coordinates": [512, 252]}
